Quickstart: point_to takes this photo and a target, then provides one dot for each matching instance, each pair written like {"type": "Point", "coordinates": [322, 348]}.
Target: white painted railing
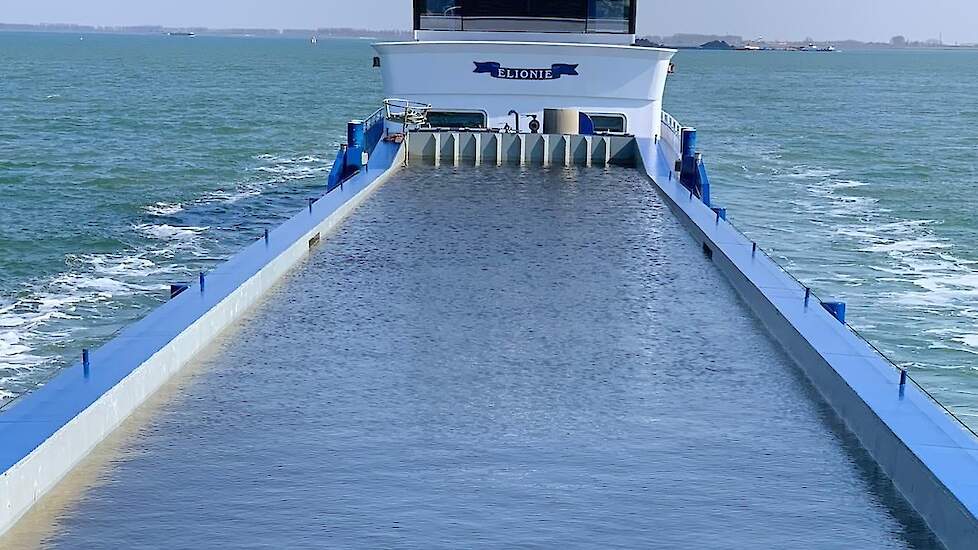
{"type": "Point", "coordinates": [672, 132]}
{"type": "Point", "coordinates": [670, 122]}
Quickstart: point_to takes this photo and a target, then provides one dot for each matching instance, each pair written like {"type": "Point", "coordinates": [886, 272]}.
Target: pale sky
{"type": "Point", "coordinates": [771, 19]}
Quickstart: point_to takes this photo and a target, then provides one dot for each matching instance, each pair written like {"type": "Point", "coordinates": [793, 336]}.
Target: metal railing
{"type": "Point", "coordinates": [671, 123]}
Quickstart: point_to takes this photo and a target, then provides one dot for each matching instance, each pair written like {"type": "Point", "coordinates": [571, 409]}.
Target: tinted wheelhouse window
{"type": "Point", "coordinates": [458, 120]}
{"type": "Point", "coordinates": [440, 7]}
{"type": "Point", "coordinates": [557, 9]}
{"type": "Point", "coordinates": [572, 16]}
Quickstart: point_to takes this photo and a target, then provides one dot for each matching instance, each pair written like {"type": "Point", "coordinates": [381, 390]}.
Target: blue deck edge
{"type": "Point", "coordinates": [29, 421]}
{"type": "Point", "coordinates": [931, 457]}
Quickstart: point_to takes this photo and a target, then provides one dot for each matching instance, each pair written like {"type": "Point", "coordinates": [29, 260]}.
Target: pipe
{"type": "Point", "coordinates": [517, 115]}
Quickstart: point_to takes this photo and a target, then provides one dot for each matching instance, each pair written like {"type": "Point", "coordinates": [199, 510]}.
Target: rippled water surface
{"type": "Point", "coordinates": [129, 163]}
{"type": "Point", "coordinates": [496, 359]}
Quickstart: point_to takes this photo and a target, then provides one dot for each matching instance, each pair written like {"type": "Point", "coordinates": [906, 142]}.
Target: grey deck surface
{"type": "Point", "coordinates": [497, 359]}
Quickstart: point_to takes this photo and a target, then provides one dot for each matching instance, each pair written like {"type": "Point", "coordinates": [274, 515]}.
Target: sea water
{"type": "Point", "coordinates": [131, 162]}
{"type": "Point", "coordinates": [495, 358]}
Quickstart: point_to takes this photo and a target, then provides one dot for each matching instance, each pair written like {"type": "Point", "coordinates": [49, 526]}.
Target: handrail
{"type": "Point", "coordinates": [374, 118]}
{"type": "Point", "coordinates": [671, 123]}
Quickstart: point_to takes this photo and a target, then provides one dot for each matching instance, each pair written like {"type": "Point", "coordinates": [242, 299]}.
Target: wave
{"type": "Point", "coordinates": [904, 268]}
{"type": "Point", "coordinates": [163, 209]}
{"type": "Point", "coordinates": [169, 232]}
{"type": "Point", "coordinates": [51, 314]}
{"type": "Point", "coordinates": [98, 293]}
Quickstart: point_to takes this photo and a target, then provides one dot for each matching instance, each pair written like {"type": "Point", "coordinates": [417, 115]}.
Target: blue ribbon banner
{"type": "Point", "coordinates": [556, 71]}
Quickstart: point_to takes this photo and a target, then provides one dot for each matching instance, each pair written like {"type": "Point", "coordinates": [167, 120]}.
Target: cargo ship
{"type": "Point", "coordinates": [516, 316]}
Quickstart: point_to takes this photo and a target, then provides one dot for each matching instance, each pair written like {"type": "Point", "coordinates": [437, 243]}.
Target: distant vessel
{"type": "Point", "coordinates": [187, 34]}
{"type": "Point", "coordinates": [314, 41]}
{"type": "Point", "coordinates": [813, 48]}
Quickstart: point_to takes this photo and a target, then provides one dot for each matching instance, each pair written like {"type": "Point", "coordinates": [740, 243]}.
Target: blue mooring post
{"type": "Point", "coordinates": [688, 142]}
{"type": "Point", "coordinates": [837, 309]}
{"type": "Point", "coordinates": [356, 139]}
{"type": "Point", "coordinates": [903, 382]}
{"type": "Point", "coordinates": [202, 282]}
{"type": "Point", "coordinates": [688, 171]}
{"type": "Point", "coordinates": [266, 237]}
{"type": "Point", "coordinates": [753, 251]}
{"type": "Point", "coordinates": [86, 363]}
{"type": "Point", "coordinates": [808, 295]}
{"type": "Point", "coordinates": [312, 201]}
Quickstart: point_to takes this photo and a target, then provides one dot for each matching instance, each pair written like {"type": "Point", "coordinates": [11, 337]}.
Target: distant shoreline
{"type": "Point", "coordinates": [151, 30]}
{"type": "Point", "coordinates": [678, 41]}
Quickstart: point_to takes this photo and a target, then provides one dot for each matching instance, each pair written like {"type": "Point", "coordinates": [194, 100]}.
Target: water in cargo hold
{"type": "Point", "coordinates": [496, 358]}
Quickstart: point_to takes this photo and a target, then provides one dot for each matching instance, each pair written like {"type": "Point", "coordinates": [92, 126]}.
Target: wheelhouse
{"type": "Point", "coordinates": [537, 16]}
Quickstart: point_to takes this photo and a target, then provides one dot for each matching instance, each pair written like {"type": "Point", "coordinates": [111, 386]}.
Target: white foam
{"type": "Point", "coordinates": [291, 172]}
{"type": "Point", "coordinates": [42, 320]}
{"type": "Point", "coordinates": [232, 196]}
{"type": "Point", "coordinates": [970, 340]}
{"type": "Point", "coordinates": [807, 172]}
{"type": "Point", "coordinates": [908, 245]}
{"type": "Point", "coordinates": [163, 209]}
{"type": "Point", "coordinates": [169, 232]}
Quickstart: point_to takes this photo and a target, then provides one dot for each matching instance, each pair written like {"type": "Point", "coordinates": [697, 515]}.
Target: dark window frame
{"type": "Point", "coordinates": [483, 114]}
{"type": "Point", "coordinates": [622, 116]}
{"type": "Point", "coordinates": [420, 6]}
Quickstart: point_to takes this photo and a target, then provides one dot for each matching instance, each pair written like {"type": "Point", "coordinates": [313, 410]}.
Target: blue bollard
{"type": "Point", "coordinates": [86, 363]}
{"type": "Point", "coordinates": [202, 282]}
{"type": "Point", "coordinates": [688, 142]}
{"type": "Point", "coordinates": [753, 252]}
{"type": "Point", "coordinates": [808, 295]}
{"type": "Point", "coordinates": [266, 237]}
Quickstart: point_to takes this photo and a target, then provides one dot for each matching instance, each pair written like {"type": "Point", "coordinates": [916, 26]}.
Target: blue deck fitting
{"type": "Point", "coordinates": [356, 140]}
{"type": "Point", "coordinates": [703, 182]}
{"type": "Point", "coordinates": [837, 309]}
{"type": "Point", "coordinates": [338, 173]}
{"type": "Point", "coordinates": [692, 171]}
{"type": "Point", "coordinates": [587, 125]}
{"type": "Point", "coordinates": [721, 213]}
{"type": "Point", "coordinates": [361, 137]}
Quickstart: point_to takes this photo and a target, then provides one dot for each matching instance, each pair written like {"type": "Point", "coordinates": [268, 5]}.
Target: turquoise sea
{"type": "Point", "coordinates": [128, 163]}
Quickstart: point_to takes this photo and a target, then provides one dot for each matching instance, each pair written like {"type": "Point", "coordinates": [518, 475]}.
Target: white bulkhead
{"type": "Point", "coordinates": [467, 58]}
